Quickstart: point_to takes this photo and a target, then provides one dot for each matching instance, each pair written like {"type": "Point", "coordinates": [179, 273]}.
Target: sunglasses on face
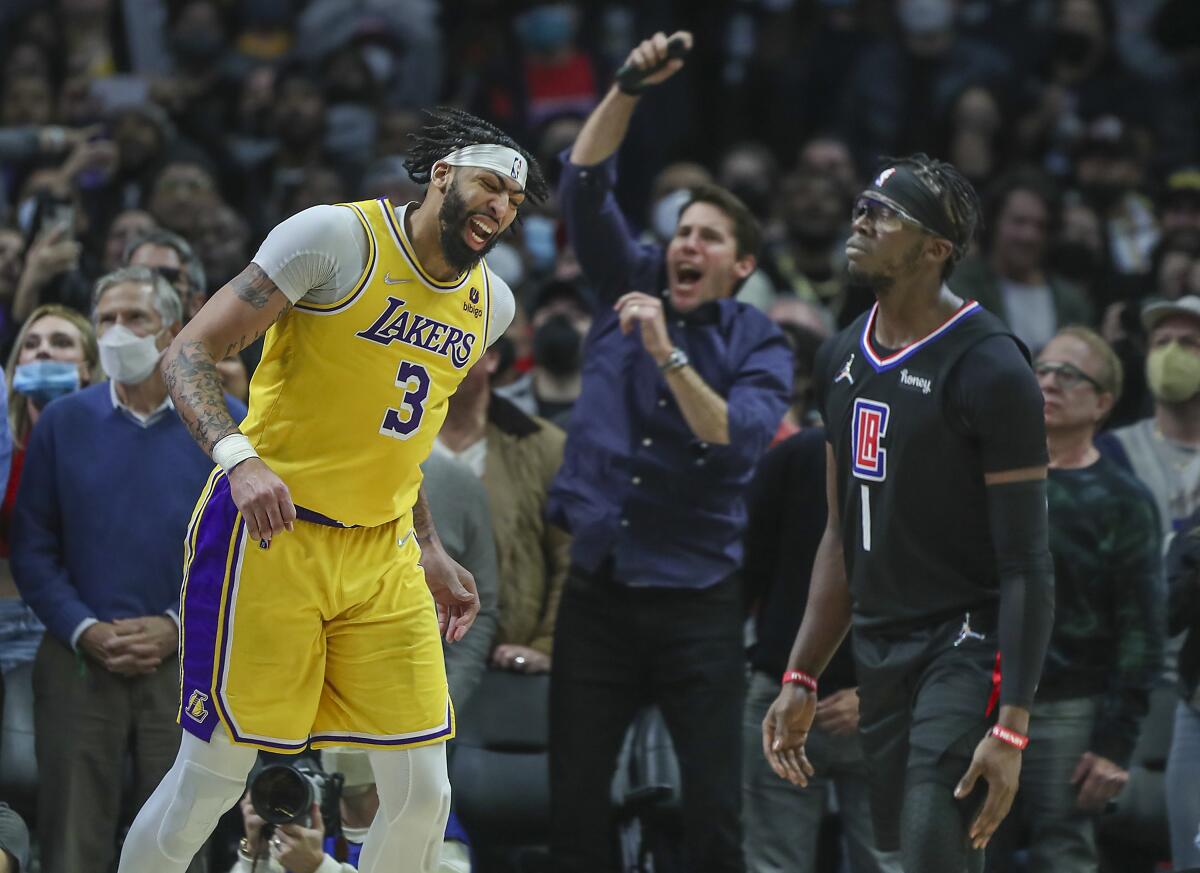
{"type": "Point", "coordinates": [1066, 375]}
{"type": "Point", "coordinates": [883, 217]}
{"type": "Point", "coordinates": [174, 275]}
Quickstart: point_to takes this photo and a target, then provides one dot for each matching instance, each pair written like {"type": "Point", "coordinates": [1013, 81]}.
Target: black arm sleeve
{"type": "Point", "coordinates": [1017, 518]}
{"type": "Point", "coordinates": [999, 404]}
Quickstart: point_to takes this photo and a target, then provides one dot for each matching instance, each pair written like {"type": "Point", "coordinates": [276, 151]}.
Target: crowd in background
{"type": "Point", "coordinates": [173, 134]}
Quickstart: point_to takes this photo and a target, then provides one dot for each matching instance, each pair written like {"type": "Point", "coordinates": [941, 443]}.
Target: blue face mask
{"type": "Point", "coordinates": [43, 381]}
{"type": "Point", "coordinates": [546, 28]}
{"type": "Point", "coordinates": [538, 231]}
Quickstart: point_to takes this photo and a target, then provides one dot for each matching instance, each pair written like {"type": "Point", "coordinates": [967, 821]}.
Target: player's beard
{"type": "Point", "coordinates": [882, 281]}
{"type": "Point", "coordinates": [452, 221]}
{"type": "Point", "coordinates": [878, 283]}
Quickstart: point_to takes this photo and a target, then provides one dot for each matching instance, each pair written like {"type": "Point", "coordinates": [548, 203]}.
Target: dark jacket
{"type": "Point", "coordinates": [1183, 602]}
{"type": "Point", "coordinates": [975, 279]}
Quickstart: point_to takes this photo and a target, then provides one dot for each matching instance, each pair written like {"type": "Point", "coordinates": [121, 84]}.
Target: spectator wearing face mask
{"type": "Point", "coordinates": [670, 191]}
{"type": "Point", "coordinates": [55, 354]}
{"type": "Point", "coordinates": [104, 504]}
{"type": "Point", "coordinates": [561, 317]}
{"type": "Point", "coordinates": [1081, 79]}
{"type": "Point", "coordinates": [901, 87]}
{"type": "Point", "coordinates": [516, 456]}
{"type": "Point", "coordinates": [1164, 449]}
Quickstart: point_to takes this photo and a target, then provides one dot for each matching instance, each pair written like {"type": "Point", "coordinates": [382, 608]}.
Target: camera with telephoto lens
{"type": "Point", "coordinates": [285, 793]}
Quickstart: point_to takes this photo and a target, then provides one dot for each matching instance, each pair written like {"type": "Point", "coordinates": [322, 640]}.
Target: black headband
{"type": "Point", "coordinates": [901, 185]}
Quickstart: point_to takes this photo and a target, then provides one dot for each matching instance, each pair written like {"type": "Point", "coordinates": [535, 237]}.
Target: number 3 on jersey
{"type": "Point", "coordinates": [403, 422]}
{"type": "Point", "coordinates": [868, 460]}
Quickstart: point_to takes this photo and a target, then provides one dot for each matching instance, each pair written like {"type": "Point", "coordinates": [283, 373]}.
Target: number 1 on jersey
{"type": "Point", "coordinates": [865, 495]}
{"type": "Point", "coordinates": [403, 422]}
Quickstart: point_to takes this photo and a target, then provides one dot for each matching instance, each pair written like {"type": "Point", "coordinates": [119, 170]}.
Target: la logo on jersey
{"type": "Point", "coordinates": [868, 427]}
{"type": "Point", "coordinates": [195, 707]}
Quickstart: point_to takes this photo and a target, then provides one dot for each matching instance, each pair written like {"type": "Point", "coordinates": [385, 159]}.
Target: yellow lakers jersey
{"type": "Point", "coordinates": [349, 395]}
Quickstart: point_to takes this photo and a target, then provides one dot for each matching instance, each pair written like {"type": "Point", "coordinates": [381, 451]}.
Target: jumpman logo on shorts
{"type": "Point", "coordinates": [965, 633]}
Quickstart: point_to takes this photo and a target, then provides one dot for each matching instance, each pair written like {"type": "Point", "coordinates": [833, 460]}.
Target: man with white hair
{"type": "Point", "coordinates": [109, 476]}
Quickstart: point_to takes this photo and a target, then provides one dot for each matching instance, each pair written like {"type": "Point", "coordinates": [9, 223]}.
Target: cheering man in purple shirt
{"type": "Point", "coordinates": [682, 392]}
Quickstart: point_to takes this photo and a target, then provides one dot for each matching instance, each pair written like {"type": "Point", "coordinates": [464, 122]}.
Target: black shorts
{"type": "Point", "coordinates": [924, 704]}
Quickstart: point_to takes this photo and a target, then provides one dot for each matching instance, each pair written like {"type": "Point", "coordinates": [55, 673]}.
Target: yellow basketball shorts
{"type": "Point", "coordinates": [327, 636]}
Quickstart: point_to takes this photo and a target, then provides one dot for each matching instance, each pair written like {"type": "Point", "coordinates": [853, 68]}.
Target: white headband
{"type": "Point", "coordinates": [498, 158]}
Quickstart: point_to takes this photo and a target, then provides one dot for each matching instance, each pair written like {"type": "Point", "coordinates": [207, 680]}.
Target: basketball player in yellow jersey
{"type": "Point", "coordinates": [315, 587]}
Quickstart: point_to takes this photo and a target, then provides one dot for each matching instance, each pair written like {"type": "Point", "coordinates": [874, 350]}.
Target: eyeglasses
{"type": "Point", "coordinates": [1066, 375]}
{"type": "Point", "coordinates": [881, 216]}
{"type": "Point", "coordinates": [174, 275]}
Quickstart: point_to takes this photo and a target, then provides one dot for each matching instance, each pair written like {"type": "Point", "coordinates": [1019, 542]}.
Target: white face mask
{"type": "Point", "coordinates": [665, 217]}
{"type": "Point", "coordinates": [126, 357]}
{"type": "Point", "coordinates": [358, 836]}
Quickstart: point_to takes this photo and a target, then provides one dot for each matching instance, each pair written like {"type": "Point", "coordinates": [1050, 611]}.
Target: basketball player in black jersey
{"type": "Point", "coordinates": [935, 551]}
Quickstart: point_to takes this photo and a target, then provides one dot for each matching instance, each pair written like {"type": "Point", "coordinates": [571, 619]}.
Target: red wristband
{"type": "Point", "coordinates": [800, 678]}
{"type": "Point", "coordinates": [1011, 737]}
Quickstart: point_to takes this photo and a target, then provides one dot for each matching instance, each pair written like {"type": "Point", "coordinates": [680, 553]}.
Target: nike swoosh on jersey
{"type": "Point", "coordinates": [408, 536]}
{"type": "Point", "coordinates": [388, 280]}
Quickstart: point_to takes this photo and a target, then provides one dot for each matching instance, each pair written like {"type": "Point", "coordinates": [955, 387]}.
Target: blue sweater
{"type": "Point", "coordinates": [102, 509]}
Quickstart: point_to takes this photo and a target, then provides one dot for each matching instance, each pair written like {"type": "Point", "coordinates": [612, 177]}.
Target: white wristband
{"type": "Point", "coordinates": [232, 450]}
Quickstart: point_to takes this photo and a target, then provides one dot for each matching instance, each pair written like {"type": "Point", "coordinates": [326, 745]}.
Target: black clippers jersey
{"type": "Point", "coordinates": [910, 482]}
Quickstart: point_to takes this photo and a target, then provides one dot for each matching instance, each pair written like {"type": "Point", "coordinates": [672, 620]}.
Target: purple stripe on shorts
{"type": "Point", "coordinates": [201, 610]}
{"type": "Point", "coordinates": [434, 734]}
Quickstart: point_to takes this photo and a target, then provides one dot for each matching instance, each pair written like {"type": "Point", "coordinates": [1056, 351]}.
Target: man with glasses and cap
{"type": "Point", "coordinates": [312, 567]}
{"type": "Point", "coordinates": [935, 549]}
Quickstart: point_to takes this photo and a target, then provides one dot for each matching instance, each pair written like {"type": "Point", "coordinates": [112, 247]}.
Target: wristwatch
{"type": "Point", "coordinates": [675, 361]}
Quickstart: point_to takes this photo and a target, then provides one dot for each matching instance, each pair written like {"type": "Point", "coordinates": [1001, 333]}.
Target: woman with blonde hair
{"type": "Point", "coordinates": [55, 354]}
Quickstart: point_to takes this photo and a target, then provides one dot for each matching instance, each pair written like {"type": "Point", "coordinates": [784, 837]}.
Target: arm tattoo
{"type": "Point", "coordinates": [191, 373]}
{"type": "Point", "coordinates": [246, 339]}
{"type": "Point", "coordinates": [195, 387]}
{"type": "Point", "coordinates": [254, 286]}
{"type": "Point", "coordinates": [422, 518]}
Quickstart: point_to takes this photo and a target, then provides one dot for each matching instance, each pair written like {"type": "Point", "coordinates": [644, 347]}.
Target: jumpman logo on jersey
{"type": "Point", "coordinates": [845, 372]}
{"type": "Point", "coordinates": [965, 633]}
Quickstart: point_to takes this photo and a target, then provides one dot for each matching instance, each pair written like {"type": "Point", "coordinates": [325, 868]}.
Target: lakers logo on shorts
{"type": "Point", "coordinates": [195, 707]}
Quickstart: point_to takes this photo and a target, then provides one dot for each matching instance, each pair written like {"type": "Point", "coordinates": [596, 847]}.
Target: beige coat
{"type": "Point", "coordinates": [523, 455]}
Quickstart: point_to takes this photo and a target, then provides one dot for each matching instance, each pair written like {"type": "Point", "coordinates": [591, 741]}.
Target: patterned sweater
{"type": "Point", "coordinates": [1110, 601]}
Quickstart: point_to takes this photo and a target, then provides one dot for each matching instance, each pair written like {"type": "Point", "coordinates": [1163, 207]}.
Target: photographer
{"type": "Point", "coordinates": [334, 847]}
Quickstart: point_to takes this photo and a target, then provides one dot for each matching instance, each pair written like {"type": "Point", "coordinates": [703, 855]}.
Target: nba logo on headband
{"type": "Point", "coordinates": [884, 176]}
{"type": "Point", "coordinates": [501, 160]}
